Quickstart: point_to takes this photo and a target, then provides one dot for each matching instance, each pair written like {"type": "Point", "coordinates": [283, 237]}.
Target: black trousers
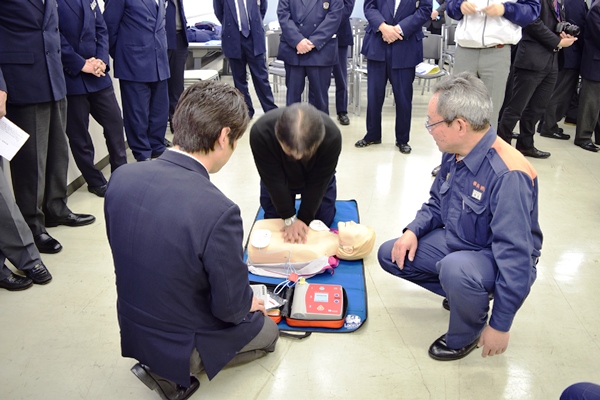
{"type": "Point", "coordinates": [531, 91]}
{"type": "Point", "coordinates": [104, 108]}
{"type": "Point", "coordinates": [589, 108]}
{"type": "Point", "coordinates": [39, 169]}
{"type": "Point", "coordinates": [566, 86]}
{"type": "Point", "coordinates": [177, 59]}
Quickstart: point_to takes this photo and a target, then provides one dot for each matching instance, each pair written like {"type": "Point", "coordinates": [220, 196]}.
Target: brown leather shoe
{"type": "Point", "coordinates": [166, 389]}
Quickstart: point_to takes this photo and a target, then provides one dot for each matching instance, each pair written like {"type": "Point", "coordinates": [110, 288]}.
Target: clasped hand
{"type": "Point", "coordinates": [94, 66]}
{"type": "Point", "coordinates": [304, 46]}
{"type": "Point", "coordinates": [390, 33]}
{"type": "Point", "coordinates": [493, 10]}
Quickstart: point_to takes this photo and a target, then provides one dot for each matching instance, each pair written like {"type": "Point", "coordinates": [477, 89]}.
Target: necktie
{"type": "Point", "coordinates": [557, 9]}
{"type": "Point", "coordinates": [244, 18]}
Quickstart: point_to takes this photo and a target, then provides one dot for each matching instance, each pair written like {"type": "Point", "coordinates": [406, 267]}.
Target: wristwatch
{"type": "Point", "coordinates": [290, 221]}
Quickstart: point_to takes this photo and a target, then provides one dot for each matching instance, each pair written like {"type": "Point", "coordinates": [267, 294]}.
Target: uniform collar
{"type": "Point", "coordinates": [475, 158]}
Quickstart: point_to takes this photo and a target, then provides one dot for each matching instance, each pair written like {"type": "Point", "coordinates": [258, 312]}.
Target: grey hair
{"type": "Point", "coordinates": [464, 95]}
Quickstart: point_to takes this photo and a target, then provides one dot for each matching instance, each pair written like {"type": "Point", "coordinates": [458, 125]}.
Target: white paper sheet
{"type": "Point", "coordinates": [12, 138]}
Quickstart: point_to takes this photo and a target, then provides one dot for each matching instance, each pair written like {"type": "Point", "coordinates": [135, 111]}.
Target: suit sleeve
{"type": "Point", "coordinates": [541, 33]}
{"type": "Point", "coordinates": [113, 13]}
{"type": "Point", "coordinates": [429, 217]}
{"type": "Point", "coordinates": [289, 30]}
{"type": "Point", "coordinates": [218, 9]}
{"type": "Point", "coordinates": [347, 11]}
{"type": "Point", "coordinates": [263, 8]}
{"type": "Point", "coordinates": [373, 15]}
{"type": "Point", "coordinates": [231, 295]}
{"type": "Point", "coordinates": [329, 26]}
{"type": "Point", "coordinates": [72, 62]}
{"type": "Point", "coordinates": [413, 23]}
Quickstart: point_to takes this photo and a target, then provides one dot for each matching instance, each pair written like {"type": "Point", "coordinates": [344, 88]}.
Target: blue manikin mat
{"type": "Point", "coordinates": [349, 274]}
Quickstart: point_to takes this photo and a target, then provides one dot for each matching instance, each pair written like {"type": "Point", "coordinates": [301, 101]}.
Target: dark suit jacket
{"type": "Point", "coordinates": [575, 13]}
{"type": "Point", "coordinates": [408, 52]}
{"type": "Point", "coordinates": [590, 63]}
{"type": "Point", "coordinates": [315, 20]}
{"type": "Point", "coordinates": [231, 44]}
{"type": "Point", "coordinates": [181, 279]}
{"type": "Point", "coordinates": [137, 39]}
{"type": "Point", "coordinates": [30, 51]}
{"type": "Point", "coordinates": [2, 82]}
{"type": "Point", "coordinates": [344, 33]}
{"type": "Point", "coordinates": [535, 51]}
{"type": "Point", "coordinates": [438, 23]}
{"type": "Point", "coordinates": [83, 35]}
{"type": "Point", "coordinates": [170, 23]}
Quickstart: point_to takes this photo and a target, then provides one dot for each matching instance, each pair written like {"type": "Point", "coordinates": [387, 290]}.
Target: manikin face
{"type": "Point", "coordinates": [352, 234]}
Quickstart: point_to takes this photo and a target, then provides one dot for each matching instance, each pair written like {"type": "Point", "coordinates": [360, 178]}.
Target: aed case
{"type": "Point", "coordinates": [317, 302]}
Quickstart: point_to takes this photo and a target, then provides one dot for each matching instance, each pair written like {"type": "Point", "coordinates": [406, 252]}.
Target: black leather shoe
{"type": "Point", "coordinates": [99, 191]}
{"type": "Point", "coordinates": [343, 119]}
{"type": "Point", "coordinates": [365, 143]}
{"type": "Point", "coordinates": [47, 244]}
{"type": "Point", "coordinates": [589, 146]}
{"type": "Point", "coordinates": [435, 171]}
{"type": "Point", "coordinates": [71, 220]}
{"type": "Point", "coordinates": [440, 351]}
{"type": "Point", "coordinates": [404, 148]}
{"type": "Point", "coordinates": [535, 153]}
{"type": "Point", "coordinates": [15, 282]}
{"type": "Point", "coordinates": [556, 135]}
{"type": "Point", "coordinates": [166, 389]}
{"type": "Point", "coordinates": [39, 274]}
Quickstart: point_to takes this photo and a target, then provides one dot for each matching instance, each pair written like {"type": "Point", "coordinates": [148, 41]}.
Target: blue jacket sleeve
{"type": "Point", "coordinates": [516, 242]}
{"type": "Point", "coordinates": [329, 26]}
{"type": "Point", "coordinates": [373, 15]}
{"type": "Point", "coordinates": [429, 216]}
{"type": "Point", "coordinates": [218, 9]}
{"type": "Point", "coordinates": [101, 38]}
{"type": "Point", "coordinates": [113, 13]}
{"type": "Point", "coordinates": [523, 12]}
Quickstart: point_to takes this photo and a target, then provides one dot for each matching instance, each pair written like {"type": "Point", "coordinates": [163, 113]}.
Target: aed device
{"type": "Point", "coordinates": [315, 301]}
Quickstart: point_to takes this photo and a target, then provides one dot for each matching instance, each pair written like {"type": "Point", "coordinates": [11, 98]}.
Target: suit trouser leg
{"type": "Point", "coordinates": [465, 278]}
{"type": "Point", "coordinates": [240, 78]}
{"type": "Point", "coordinates": [177, 59]}
{"type": "Point", "coordinates": [80, 141]}
{"type": "Point", "coordinates": [492, 66]}
{"type": "Point", "coordinates": [295, 78]}
{"type": "Point", "coordinates": [377, 73]}
{"type": "Point", "coordinates": [159, 116]}
{"type": "Point", "coordinates": [566, 86]}
{"type": "Point", "coordinates": [319, 79]}
{"type": "Point", "coordinates": [402, 85]}
{"type": "Point", "coordinates": [135, 99]}
{"type": "Point", "coordinates": [589, 108]}
{"type": "Point", "coordinates": [524, 84]}
{"type": "Point", "coordinates": [16, 240]}
{"type": "Point", "coordinates": [105, 110]}
{"type": "Point", "coordinates": [340, 76]}
{"type": "Point", "coordinates": [258, 347]}
{"type": "Point", "coordinates": [39, 169]}
{"type": "Point", "coordinates": [260, 76]}
{"type": "Point", "coordinates": [534, 110]}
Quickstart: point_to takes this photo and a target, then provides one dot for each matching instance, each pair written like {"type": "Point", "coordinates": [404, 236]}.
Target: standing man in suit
{"type": "Point", "coordinates": [568, 76]}
{"type": "Point", "coordinates": [438, 18]}
{"type": "Point", "coordinates": [340, 70]}
{"type": "Point", "coordinates": [184, 302]}
{"type": "Point", "coordinates": [589, 94]}
{"type": "Point", "coordinates": [535, 68]}
{"type": "Point", "coordinates": [177, 50]}
{"type": "Point", "coordinates": [138, 45]}
{"type": "Point", "coordinates": [393, 45]}
{"type": "Point", "coordinates": [16, 241]}
{"type": "Point", "coordinates": [309, 47]}
{"type": "Point", "coordinates": [30, 58]}
{"type": "Point", "coordinates": [243, 43]}
{"type": "Point", "coordinates": [89, 89]}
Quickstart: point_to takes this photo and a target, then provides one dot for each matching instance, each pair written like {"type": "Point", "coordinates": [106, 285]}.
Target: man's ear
{"type": "Point", "coordinates": [223, 140]}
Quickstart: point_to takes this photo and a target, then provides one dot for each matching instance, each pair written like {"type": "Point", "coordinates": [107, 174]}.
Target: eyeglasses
{"type": "Point", "coordinates": [429, 126]}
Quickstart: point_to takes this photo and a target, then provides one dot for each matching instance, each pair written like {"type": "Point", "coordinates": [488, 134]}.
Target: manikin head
{"type": "Point", "coordinates": [356, 241]}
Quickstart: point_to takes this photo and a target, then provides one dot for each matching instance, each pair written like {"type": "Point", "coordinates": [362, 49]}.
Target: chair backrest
{"type": "Point", "coordinates": [432, 47]}
{"type": "Point", "coordinates": [449, 32]}
{"type": "Point", "coordinates": [272, 39]}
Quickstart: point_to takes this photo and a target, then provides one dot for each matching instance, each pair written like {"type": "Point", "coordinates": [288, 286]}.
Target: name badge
{"type": "Point", "coordinates": [93, 5]}
{"type": "Point", "coordinates": [326, 5]}
{"type": "Point", "coordinates": [476, 194]}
